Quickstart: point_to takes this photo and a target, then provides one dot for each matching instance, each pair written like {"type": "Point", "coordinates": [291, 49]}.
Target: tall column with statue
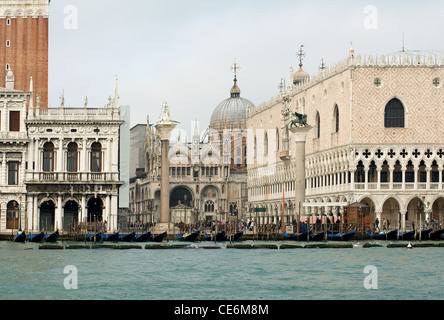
{"type": "Point", "coordinates": [300, 128]}
{"type": "Point", "coordinates": [164, 127]}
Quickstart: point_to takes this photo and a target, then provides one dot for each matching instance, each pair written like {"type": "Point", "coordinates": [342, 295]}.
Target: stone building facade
{"type": "Point", "coordinates": [13, 151]}
{"type": "Point", "coordinates": [377, 138]}
{"type": "Point", "coordinates": [60, 166]}
{"type": "Point", "coordinates": [208, 176]}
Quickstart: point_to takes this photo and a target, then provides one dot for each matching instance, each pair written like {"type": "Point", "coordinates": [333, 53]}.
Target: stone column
{"type": "Point", "coordinates": [30, 212]}
{"type": "Point", "coordinates": [83, 209]}
{"type": "Point", "coordinates": [59, 214]}
{"type": "Point", "coordinates": [164, 127]}
{"type": "Point", "coordinates": [108, 217]}
{"type": "Point", "coordinates": [403, 214]}
{"type": "Point", "coordinates": [429, 177]}
{"type": "Point", "coordinates": [35, 214]}
{"type": "Point", "coordinates": [300, 138]}
{"type": "Point", "coordinates": [378, 172]}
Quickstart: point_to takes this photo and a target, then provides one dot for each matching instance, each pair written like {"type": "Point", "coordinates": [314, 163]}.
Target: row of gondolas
{"type": "Point", "coordinates": [425, 234]}
{"type": "Point", "coordinates": [218, 237]}
{"type": "Point", "coordinates": [130, 237]}
{"type": "Point", "coordinates": [93, 237]}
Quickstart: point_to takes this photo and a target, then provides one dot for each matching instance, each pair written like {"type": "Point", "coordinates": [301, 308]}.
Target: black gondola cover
{"type": "Point", "coordinates": [53, 237]}
{"type": "Point", "coordinates": [20, 237]}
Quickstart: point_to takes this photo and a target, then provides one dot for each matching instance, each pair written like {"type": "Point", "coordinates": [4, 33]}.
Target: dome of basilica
{"type": "Point", "coordinates": [232, 112]}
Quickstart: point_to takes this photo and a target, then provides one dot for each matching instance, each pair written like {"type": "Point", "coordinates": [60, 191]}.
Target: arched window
{"type": "Point", "coordinates": [12, 215]}
{"type": "Point", "coordinates": [72, 157]}
{"type": "Point", "coordinates": [318, 125]}
{"type": "Point", "coordinates": [96, 157]}
{"type": "Point", "coordinates": [48, 157]}
{"type": "Point", "coordinates": [209, 206]}
{"type": "Point", "coordinates": [180, 196]}
{"type": "Point", "coordinates": [394, 114]}
{"type": "Point", "coordinates": [336, 119]}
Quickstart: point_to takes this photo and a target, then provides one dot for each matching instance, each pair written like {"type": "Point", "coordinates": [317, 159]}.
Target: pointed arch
{"type": "Point", "coordinates": [318, 125]}
{"type": "Point", "coordinates": [336, 119]}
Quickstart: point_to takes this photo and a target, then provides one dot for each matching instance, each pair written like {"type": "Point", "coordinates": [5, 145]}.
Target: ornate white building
{"type": "Point", "coordinates": [377, 138]}
{"type": "Point", "coordinates": [59, 165]}
{"type": "Point", "coordinates": [13, 150]}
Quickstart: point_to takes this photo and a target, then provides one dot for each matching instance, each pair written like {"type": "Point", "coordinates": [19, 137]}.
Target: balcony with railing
{"type": "Point", "coordinates": [72, 177]}
{"type": "Point", "coordinates": [374, 186]}
{"type": "Point", "coordinates": [62, 113]}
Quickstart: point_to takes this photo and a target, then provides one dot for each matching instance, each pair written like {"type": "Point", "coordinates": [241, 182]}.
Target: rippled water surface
{"type": "Point", "coordinates": [225, 274]}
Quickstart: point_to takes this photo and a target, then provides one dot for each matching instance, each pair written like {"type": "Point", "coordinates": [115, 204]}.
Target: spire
{"type": "Point", "coordinates": [301, 56]}
{"type": "Point", "coordinates": [196, 131]}
{"type": "Point", "coordinates": [235, 91]}
{"type": "Point", "coordinates": [62, 99]}
{"type": "Point", "coordinates": [116, 94]}
{"type": "Point", "coordinates": [351, 51]}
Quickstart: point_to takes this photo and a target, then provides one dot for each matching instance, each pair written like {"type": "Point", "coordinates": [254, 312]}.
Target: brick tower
{"type": "Point", "coordinates": [24, 26]}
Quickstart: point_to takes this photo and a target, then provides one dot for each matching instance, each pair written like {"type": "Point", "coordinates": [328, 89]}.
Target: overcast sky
{"type": "Point", "coordinates": [181, 51]}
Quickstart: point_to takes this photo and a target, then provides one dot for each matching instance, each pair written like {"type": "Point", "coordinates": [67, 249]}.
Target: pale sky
{"type": "Point", "coordinates": [181, 51]}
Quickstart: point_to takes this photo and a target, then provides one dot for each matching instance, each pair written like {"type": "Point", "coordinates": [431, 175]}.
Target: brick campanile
{"type": "Point", "coordinates": [24, 28]}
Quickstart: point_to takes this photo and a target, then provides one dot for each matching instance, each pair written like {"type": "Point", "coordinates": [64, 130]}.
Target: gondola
{"type": "Point", "coordinates": [424, 234]}
{"type": "Point", "coordinates": [220, 236]}
{"type": "Point", "coordinates": [127, 237]}
{"type": "Point", "coordinates": [20, 237]}
{"type": "Point", "coordinates": [318, 236]}
{"type": "Point", "coordinates": [341, 236]}
{"type": "Point", "coordinates": [111, 237]}
{"type": "Point", "coordinates": [296, 237]}
{"type": "Point", "coordinates": [238, 236]}
{"type": "Point", "coordinates": [36, 237]}
{"type": "Point", "coordinates": [94, 237]}
{"type": "Point", "coordinates": [436, 235]}
{"type": "Point", "coordinates": [190, 237]}
{"type": "Point", "coordinates": [408, 235]}
{"type": "Point", "coordinates": [53, 237]}
{"type": "Point", "coordinates": [392, 235]}
{"type": "Point", "coordinates": [159, 237]}
{"type": "Point", "coordinates": [145, 237]}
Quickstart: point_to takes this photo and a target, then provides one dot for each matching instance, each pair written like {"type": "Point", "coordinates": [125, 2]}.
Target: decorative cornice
{"type": "Point", "coordinates": [408, 59]}
{"type": "Point", "coordinates": [24, 8]}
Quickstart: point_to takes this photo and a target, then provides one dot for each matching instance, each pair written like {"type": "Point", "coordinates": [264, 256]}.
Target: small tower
{"type": "Point", "coordinates": [300, 76]}
{"type": "Point", "coordinates": [195, 148]}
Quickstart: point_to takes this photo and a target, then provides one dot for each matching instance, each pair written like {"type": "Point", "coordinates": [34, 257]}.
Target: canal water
{"type": "Point", "coordinates": [221, 274]}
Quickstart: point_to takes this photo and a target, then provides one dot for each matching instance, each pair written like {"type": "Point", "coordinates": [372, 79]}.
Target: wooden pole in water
{"type": "Point", "coordinates": [299, 219]}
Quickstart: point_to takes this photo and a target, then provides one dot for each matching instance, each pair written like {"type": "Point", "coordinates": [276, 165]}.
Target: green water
{"type": "Point", "coordinates": [222, 274]}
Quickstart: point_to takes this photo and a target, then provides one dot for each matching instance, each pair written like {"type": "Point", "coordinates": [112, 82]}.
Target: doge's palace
{"type": "Point", "coordinates": [377, 138]}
